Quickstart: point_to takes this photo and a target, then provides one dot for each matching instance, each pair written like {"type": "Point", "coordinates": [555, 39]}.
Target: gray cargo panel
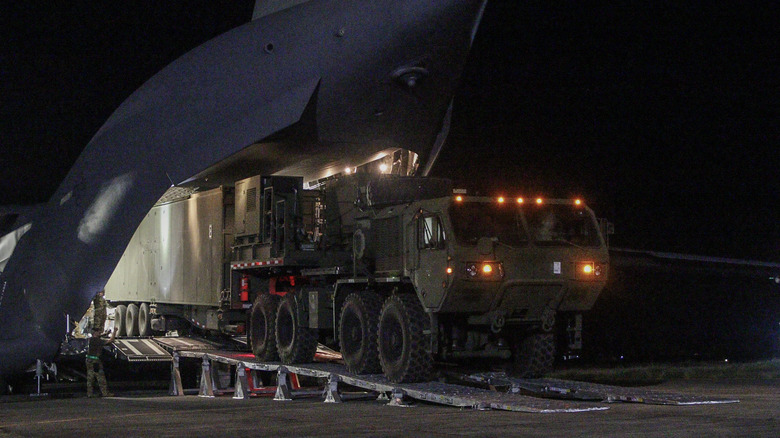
{"type": "Point", "coordinates": [176, 255]}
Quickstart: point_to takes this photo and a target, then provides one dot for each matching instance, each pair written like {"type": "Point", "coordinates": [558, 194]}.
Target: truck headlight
{"type": "Point", "coordinates": [589, 270]}
{"type": "Point", "coordinates": [484, 270]}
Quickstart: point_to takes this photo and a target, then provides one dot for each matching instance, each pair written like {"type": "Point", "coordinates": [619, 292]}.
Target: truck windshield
{"type": "Point", "coordinates": [474, 220]}
{"type": "Point", "coordinates": [558, 224]}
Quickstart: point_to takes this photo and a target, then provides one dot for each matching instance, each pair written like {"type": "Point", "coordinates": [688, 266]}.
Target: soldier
{"type": "Point", "coordinates": [95, 346]}
{"type": "Point", "coordinates": [99, 315]}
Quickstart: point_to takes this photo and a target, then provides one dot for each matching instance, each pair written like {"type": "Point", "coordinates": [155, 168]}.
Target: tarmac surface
{"type": "Point", "coordinates": [152, 413]}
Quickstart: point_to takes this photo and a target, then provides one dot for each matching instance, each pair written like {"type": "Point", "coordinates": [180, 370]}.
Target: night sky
{"type": "Point", "coordinates": [664, 117]}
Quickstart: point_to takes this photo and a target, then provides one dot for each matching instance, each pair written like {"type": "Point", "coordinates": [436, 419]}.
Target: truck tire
{"type": "Point", "coordinates": [296, 342]}
{"type": "Point", "coordinates": [534, 355]}
{"type": "Point", "coordinates": [144, 320]}
{"type": "Point", "coordinates": [402, 342]}
{"type": "Point", "coordinates": [358, 332]}
{"type": "Point", "coordinates": [263, 327]}
{"type": "Point", "coordinates": [131, 320]}
{"type": "Point", "coordinates": [119, 320]}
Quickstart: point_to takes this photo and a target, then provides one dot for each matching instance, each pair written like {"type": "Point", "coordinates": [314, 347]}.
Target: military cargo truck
{"type": "Point", "coordinates": [394, 271]}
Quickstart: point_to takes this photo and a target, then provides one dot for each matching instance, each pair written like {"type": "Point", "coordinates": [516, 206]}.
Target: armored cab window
{"type": "Point", "coordinates": [430, 233]}
{"type": "Point", "coordinates": [562, 225]}
{"type": "Point", "coordinates": [472, 221]}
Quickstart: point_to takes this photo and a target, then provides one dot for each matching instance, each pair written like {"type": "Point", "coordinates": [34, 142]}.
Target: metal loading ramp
{"type": "Point", "coordinates": [212, 383]}
{"type": "Point", "coordinates": [504, 393]}
{"type": "Point", "coordinates": [140, 350]}
{"type": "Point", "coordinates": [584, 391]}
{"type": "Point", "coordinates": [173, 344]}
{"type": "Point", "coordinates": [612, 394]}
{"type": "Point", "coordinates": [158, 349]}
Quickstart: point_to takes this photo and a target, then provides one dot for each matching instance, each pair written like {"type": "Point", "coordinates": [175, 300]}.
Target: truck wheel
{"type": "Point", "coordinates": [358, 327]}
{"type": "Point", "coordinates": [296, 342]}
{"type": "Point", "coordinates": [402, 343]}
{"type": "Point", "coordinates": [144, 320]}
{"type": "Point", "coordinates": [119, 320]}
{"type": "Point", "coordinates": [534, 355]}
{"type": "Point", "coordinates": [131, 320]}
{"type": "Point", "coordinates": [263, 328]}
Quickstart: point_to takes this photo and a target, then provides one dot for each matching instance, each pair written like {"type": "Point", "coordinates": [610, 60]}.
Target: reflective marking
{"type": "Point", "coordinates": [128, 344]}
{"type": "Point", "coordinates": [156, 348]}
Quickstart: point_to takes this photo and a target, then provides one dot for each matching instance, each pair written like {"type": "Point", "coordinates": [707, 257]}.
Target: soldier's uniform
{"type": "Point", "coordinates": [95, 365]}
{"type": "Point", "coordinates": [99, 312]}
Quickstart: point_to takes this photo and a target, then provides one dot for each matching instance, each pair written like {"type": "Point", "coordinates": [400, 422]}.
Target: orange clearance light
{"type": "Point", "coordinates": [449, 270]}
{"type": "Point", "coordinates": [519, 200]}
{"type": "Point", "coordinates": [500, 199]}
{"type": "Point", "coordinates": [487, 269]}
{"type": "Point", "coordinates": [459, 198]}
{"type": "Point", "coordinates": [538, 200]}
{"type": "Point", "coordinates": [577, 202]}
{"type": "Point", "coordinates": [588, 269]}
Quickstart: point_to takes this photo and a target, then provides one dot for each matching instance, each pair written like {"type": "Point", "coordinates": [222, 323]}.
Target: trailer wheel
{"type": "Point", "coordinates": [296, 342]}
{"type": "Point", "coordinates": [131, 320]}
{"type": "Point", "coordinates": [119, 320]}
{"type": "Point", "coordinates": [402, 342]}
{"type": "Point", "coordinates": [144, 320]}
{"type": "Point", "coordinates": [358, 332]}
{"type": "Point", "coordinates": [534, 355]}
{"type": "Point", "coordinates": [263, 327]}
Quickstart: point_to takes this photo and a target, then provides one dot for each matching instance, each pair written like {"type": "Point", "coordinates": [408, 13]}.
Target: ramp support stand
{"type": "Point", "coordinates": [332, 390]}
{"type": "Point", "coordinates": [242, 385]}
{"type": "Point", "coordinates": [397, 399]}
{"type": "Point", "coordinates": [176, 387]}
{"type": "Point", "coordinates": [283, 389]}
{"type": "Point", "coordinates": [206, 379]}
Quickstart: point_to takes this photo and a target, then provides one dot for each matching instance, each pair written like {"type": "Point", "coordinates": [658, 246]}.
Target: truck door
{"type": "Point", "coordinates": [431, 274]}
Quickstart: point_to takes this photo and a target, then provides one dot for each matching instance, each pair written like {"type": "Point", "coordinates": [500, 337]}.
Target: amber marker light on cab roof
{"type": "Point", "coordinates": [538, 200]}
{"type": "Point", "coordinates": [459, 198]}
{"type": "Point", "coordinates": [577, 202]}
{"type": "Point", "coordinates": [500, 199]}
{"type": "Point", "coordinates": [519, 200]}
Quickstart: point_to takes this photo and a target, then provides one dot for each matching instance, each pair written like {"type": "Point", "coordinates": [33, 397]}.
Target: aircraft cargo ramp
{"type": "Point", "coordinates": [239, 373]}
{"type": "Point", "coordinates": [156, 349]}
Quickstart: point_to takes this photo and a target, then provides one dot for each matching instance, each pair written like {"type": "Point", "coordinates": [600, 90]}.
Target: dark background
{"type": "Point", "coordinates": [663, 116]}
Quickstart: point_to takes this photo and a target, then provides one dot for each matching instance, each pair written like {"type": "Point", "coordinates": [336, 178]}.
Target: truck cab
{"type": "Point", "coordinates": [515, 260]}
{"type": "Point", "coordinates": [492, 274]}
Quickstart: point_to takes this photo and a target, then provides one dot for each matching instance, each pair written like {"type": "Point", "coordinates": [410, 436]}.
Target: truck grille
{"type": "Point", "coordinates": [530, 300]}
